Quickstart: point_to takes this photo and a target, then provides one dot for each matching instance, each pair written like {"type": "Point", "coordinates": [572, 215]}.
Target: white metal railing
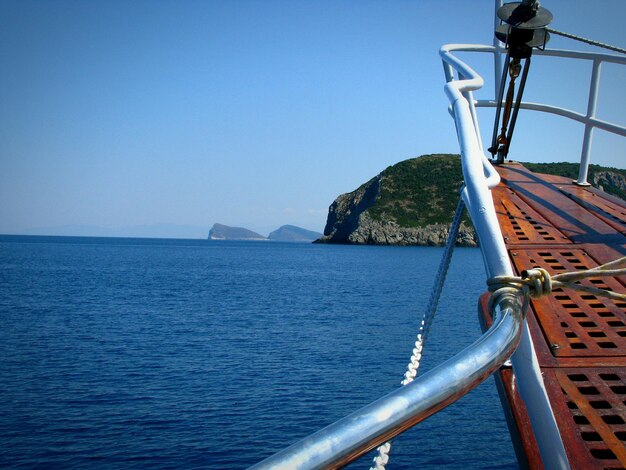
{"type": "Point", "coordinates": [479, 178]}
{"type": "Point", "coordinates": [478, 175]}
{"type": "Point", "coordinates": [376, 423]}
{"type": "Point", "coordinates": [352, 436]}
{"type": "Point", "coordinates": [369, 427]}
{"type": "Point", "coordinates": [589, 119]}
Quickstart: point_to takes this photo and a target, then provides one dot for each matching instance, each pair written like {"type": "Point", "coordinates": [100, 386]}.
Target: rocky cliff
{"type": "Point", "coordinates": [410, 203]}
{"type": "Point", "coordinates": [609, 180]}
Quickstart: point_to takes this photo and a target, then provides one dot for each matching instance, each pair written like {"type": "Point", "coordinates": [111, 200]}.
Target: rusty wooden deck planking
{"type": "Point", "coordinates": [580, 339]}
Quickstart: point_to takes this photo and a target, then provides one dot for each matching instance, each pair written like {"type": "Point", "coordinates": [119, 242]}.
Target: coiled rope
{"type": "Point", "coordinates": [587, 41]}
{"type": "Point", "coordinates": [379, 462]}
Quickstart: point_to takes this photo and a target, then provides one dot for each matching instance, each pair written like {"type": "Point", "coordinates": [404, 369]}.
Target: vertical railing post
{"type": "Point", "coordinates": [448, 72]}
{"type": "Point", "coordinates": [469, 97]}
{"type": "Point", "coordinates": [480, 204]}
{"type": "Point", "coordinates": [497, 56]}
{"type": "Point", "coordinates": [583, 170]}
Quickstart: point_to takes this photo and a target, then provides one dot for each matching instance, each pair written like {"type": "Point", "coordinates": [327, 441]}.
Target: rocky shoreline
{"type": "Point", "coordinates": [350, 221]}
{"type": "Point", "coordinates": [371, 232]}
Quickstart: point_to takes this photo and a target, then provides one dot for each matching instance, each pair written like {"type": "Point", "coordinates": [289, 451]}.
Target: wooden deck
{"type": "Point", "coordinates": [580, 339]}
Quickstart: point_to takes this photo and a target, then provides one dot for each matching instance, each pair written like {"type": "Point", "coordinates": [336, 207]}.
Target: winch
{"type": "Point", "coordinates": [523, 28]}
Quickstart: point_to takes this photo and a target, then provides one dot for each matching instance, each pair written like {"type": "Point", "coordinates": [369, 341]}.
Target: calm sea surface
{"type": "Point", "coordinates": [136, 353]}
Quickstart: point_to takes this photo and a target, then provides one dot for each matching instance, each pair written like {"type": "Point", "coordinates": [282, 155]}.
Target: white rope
{"type": "Point", "coordinates": [382, 458]}
{"type": "Point", "coordinates": [534, 283]}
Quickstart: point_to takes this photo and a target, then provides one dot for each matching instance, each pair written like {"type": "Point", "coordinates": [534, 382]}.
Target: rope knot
{"type": "Point", "coordinates": [538, 281]}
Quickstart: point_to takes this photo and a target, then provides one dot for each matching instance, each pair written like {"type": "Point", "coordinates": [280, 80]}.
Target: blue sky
{"type": "Point", "coordinates": [169, 116]}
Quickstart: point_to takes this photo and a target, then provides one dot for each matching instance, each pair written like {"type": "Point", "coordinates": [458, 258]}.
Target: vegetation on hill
{"type": "Point", "coordinates": [420, 191]}
{"type": "Point", "coordinates": [413, 202]}
{"type": "Point", "coordinates": [425, 190]}
{"type": "Point", "coordinates": [598, 176]}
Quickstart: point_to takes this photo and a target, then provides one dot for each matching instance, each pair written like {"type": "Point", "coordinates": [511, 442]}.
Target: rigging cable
{"type": "Point", "coordinates": [587, 41]}
{"type": "Point", "coordinates": [382, 458]}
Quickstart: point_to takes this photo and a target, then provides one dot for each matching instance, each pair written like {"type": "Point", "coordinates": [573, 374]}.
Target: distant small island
{"type": "Point", "coordinates": [291, 233]}
{"type": "Point", "coordinates": [224, 232]}
{"type": "Point", "coordinates": [409, 203]}
{"type": "Point", "coordinates": [286, 233]}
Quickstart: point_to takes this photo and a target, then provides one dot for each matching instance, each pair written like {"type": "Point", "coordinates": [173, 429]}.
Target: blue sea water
{"type": "Point", "coordinates": [143, 353]}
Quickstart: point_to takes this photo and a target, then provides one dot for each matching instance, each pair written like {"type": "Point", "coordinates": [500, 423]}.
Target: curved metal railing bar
{"type": "Point", "coordinates": [374, 424]}
{"type": "Point", "coordinates": [478, 173]}
{"type": "Point", "coordinates": [479, 203]}
{"type": "Point", "coordinates": [589, 119]}
{"type": "Point", "coordinates": [356, 434]}
{"type": "Point", "coordinates": [573, 115]}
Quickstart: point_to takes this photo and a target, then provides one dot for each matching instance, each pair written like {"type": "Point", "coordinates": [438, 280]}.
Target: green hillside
{"type": "Point", "coordinates": [425, 190]}
{"type": "Point", "coordinates": [420, 191]}
{"type": "Point", "coordinates": [413, 202]}
{"type": "Point", "coordinates": [610, 180]}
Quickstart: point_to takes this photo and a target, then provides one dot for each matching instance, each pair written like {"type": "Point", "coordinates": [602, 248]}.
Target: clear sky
{"type": "Point", "coordinates": [118, 114]}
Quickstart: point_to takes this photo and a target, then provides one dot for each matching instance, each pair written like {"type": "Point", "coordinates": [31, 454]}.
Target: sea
{"type": "Point", "coordinates": [162, 353]}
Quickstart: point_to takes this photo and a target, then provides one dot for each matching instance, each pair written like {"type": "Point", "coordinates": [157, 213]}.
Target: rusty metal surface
{"type": "Point", "coordinates": [610, 211]}
{"type": "Point", "coordinates": [580, 339]}
{"type": "Point", "coordinates": [563, 213]}
{"type": "Point", "coordinates": [590, 411]}
{"type": "Point", "coordinates": [576, 324]}
{"type": "Point", "coordinates": [520, 223]}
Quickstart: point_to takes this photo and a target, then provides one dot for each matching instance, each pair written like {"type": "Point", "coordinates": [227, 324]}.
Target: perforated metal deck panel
{"type": "Point", "coordinates": [576, 324]}
{"type": "Point", "coordinates": [595, 403]}
{"type": "Point", "coordinates": [521, 224]}
{"type": "Point", "coordinates": [580, 338]}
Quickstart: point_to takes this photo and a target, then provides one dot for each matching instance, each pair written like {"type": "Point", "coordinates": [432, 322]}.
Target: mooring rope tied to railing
{"type": "Point", "coordinates": [534, 283]}
{"type": "Point", "coordinates": [537, 282]}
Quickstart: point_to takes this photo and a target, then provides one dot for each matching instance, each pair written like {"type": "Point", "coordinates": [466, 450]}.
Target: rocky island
{"type": "Point", "coordinates": [224, 232]}
{"type": "Point", "coordinates": [286, 233]}
{"type": "Point", "coordinates": [291, 233]}
{"type": "Point", "coordinates": [409, 203]}
{"type": "Point", "coordinates": [413, 202]}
